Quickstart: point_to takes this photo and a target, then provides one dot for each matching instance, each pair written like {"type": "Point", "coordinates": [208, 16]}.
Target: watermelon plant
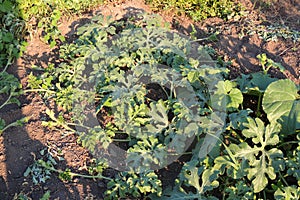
{"type": "Point", "coordinates": [18, 20]}
{"type": "Point", "coordinates": [199, 9]}
{"type": "Point", "coordinates": [11, 47]}
{"type": "Point", "coordinates": [139, 96]}
{"type": "Point", "coordinates": [9, 91]}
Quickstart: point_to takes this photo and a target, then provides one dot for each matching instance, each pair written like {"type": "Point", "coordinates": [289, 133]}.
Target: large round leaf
{"type": "Point", "coordinates": [280, 102]}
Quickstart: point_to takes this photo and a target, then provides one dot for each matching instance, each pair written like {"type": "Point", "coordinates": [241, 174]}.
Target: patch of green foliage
{"type": "Point", "coordinates": [46, 15]}
{"type": "Point", "coordinates": [11, 47]}
{"type": "Point", "coordinates": [22, 196]}
{"type": "Point", "coordinates": [273, 32]}
{"type": "Point", "coordinates": [20, 18]}
{"type": "Point", "coordinates": [11, 32]}
{"type": "Point", "coordinates": [9, 91]}
{"type": "Point", "coordinates": [254, 154]}
{"type": "Point", "coordinates": [199, 9]}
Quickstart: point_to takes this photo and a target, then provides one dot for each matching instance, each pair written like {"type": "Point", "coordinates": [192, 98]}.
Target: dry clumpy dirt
{"type": "Point", "coordinates": [19, 146]}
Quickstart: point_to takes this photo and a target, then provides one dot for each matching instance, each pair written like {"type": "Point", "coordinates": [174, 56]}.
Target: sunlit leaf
{"type": "Point", "coordinates": [281, 103]}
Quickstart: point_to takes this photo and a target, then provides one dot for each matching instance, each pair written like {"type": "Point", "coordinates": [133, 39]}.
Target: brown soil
{"type": "Point", "coordinates": [19, 146]}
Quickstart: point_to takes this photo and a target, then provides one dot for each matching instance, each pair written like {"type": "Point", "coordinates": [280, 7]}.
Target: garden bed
{"type": "Point", "coordinates": [236, 43]}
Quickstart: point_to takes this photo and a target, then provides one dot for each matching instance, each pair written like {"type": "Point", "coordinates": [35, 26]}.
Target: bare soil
{"type": "Point", "coordinates": [20, 146]}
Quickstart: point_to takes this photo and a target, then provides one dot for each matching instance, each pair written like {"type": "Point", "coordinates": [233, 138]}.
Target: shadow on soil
{"type": "Point", "coordinates": [17, 148]}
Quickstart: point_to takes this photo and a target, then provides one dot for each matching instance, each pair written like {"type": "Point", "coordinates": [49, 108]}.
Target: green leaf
{"type": "Point", "coordinates": [262, 161]}
{"type": "Point", "coordinates": [135, 185]}
{"type": "Point", "coordinates": [213, 126]}
{"type": "Point", "coordinates": [6, 6]}
{"type": "Point", "coordinates": [260, 81]}
{"type": "Point", "coordinates": [8, 37]}
{"type": "Point", "coordinates": [145, 154]}
{"type": "Point", "coordinates": [239, 191]}
{"type": "Point", "coordinates": [52, 44]}
{"type": "Point", "coordinates": [158, 113]}
{"type": "Point", "coordinates": [208, 179]}
{"type": "Point", "coordinates": [27, 172]}
{"type": "Point", "coordinates": [287, 193]}
{"type": "Point", "coordinates": [259, 172]}
{"type": "Point", "coordinates": [192, 176]}
{"type": "Point", "coordinates": [96, 136]}
{"type": "Point", "coordinates": [294, 118]}
{"type": "Point", "coordinates": [281, 104]}
{"type": "Point", "coordinates": [255, 83]}
{"type": "Point", "coordinates": [46, 196]}
{"type": "Point", "coordinates": [14, 100]}
{"type": "Point", "coordinates": [8, 83]}
{"type": "Point", "coordinates": [259, 134]}
{"type": "Point", "coordinates": [193, 76]}
{"type": "Point", "coordinates": [227, 96]}
{"type": "Point", "coordinates": [237, 119]}
{"type": "Point", "coordinates": [235, 99]}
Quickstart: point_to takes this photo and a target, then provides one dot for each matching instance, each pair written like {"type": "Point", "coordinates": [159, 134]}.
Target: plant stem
{"type": "Point", "coordinates": [258, 113]}
{"type": "Point", "coordinates": [177, 154]}
{"type": "Point", "coordinates": [38, 90]}
{"type": "Point", "coordinates": [121, 140]}
{"type": "Point", "coordinates": [72, 174]}
{"type": "Point", "coordinates": [283, 179]}
{"type": "Point", "coordinates": [265, 196]}
{"type": "Point", "coordinates": [7, 64]}
{"type": "Point", "coordinates": [66, 127]}
{"type": "Point", "coordinates": [289, 142]}
{"type": "Point", "coordinates": [238, 138]}
{"type": "Point", "coordinates": [74, 124]}
{"type": "Point", "coordinates": [7, 100]}
{"type": "Point", "coordinates": [16, 123]}
{"type": "Point", "coordinates": [201, 39]}
{"type": "Point", "coordinates": [236, 163]}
